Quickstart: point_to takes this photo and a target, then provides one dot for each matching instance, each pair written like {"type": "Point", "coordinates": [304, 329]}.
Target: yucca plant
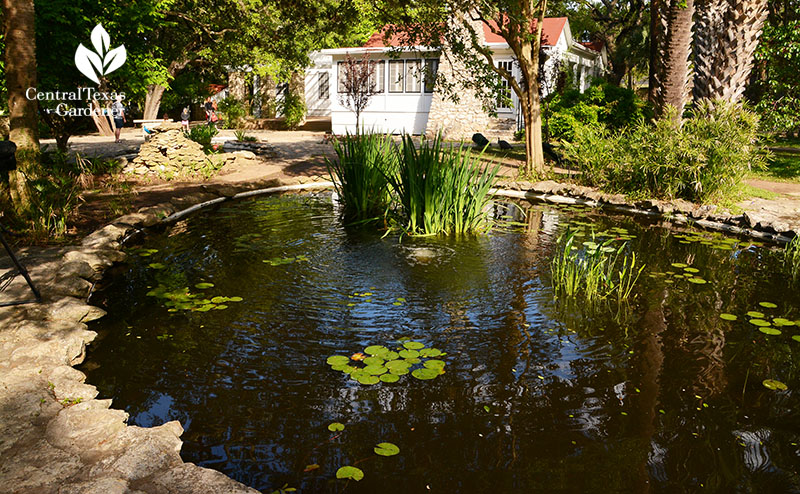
{"type": "Point", "coordinates": [360, 174]}
{"type": "Point", "coordinates": [442, 190]}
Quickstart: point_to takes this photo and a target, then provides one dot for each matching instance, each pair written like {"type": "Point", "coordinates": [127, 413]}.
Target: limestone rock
{"type": "Point", "coordinates": [169, 153]}
{"type": "Point", "coordinates": [105, 485]}
{"type": "Point", "coordinates": [71, 309]}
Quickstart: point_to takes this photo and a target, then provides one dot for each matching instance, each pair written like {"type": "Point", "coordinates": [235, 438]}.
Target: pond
{"type": "Point", "coordinates": [226, 321]}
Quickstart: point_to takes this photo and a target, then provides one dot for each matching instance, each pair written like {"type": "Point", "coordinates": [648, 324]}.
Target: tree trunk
{"type": "Point", "coordinates": [20, 71]}
{"type": "Point", "coordinates": [657, 34]}
{"type": "Point", "coordinates": [725, 42]}
{"type": "Point", "coordinates": [674, 76]}
{"type": "Point", "coordinates": [534, 153]}
{"type": "Point", "coordinates": [105, 125]}
{"type": "Point", "coordinates": [152, 101]}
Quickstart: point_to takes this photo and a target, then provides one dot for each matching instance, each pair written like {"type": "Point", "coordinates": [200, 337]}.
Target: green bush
{"type": "Point", "coordinates": [232, 112]}
{"type": "Point", "coordinates": [702, 160]}
{"type": "Point", "coordinates": [359, 174]}
{"type": "Point", "coordinates": [54, 197]}
{"type": "Point", "coordinates": [603, 103]}
{"type": "Point", "coordinates": [202, 135]}
{"type": "Point", "coordinates": [293, 108]}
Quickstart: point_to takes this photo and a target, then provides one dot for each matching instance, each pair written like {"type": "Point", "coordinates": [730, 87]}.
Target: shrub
{"type": "Point", "coordinates": [241, 135]}
{"type": "Point", "coordinates": [54, 197]}
{"type": "Point", "coordinates": [202, 134]}
{"type": "Point", "coordinates": [293, 108]}
{"type": "Point", "coordinates": [359, 174]}
{"type": "Point", "coordinates": [232, 112]}
{"type": "Point", "coordinates": [705, 158]}
{"type": "Point", "coordinates": [441, 189]}
{"type": "Point", "coordinates": [603, 103]}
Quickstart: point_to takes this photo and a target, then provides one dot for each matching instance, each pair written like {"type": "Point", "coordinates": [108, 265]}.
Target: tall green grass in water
{"type": "Point", "coordinates": [791, 257]}
{"type": "Point", "coordinates": [442, 190]}
{"type": "Point", "coordinates": [592, 274]}
{"type": "Point", "coordinates": [359, 173]}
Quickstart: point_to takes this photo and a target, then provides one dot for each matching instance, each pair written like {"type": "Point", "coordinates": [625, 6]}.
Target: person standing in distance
{"type": "Point", "coordinates": [118, 113]}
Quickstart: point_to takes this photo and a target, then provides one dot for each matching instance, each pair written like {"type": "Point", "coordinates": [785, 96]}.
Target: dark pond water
{"type": "Point", "coordinates": [660, 396]}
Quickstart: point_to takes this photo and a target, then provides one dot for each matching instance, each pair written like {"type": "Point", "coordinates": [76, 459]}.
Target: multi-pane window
{"type": "Point", "coordinates": [431, 66]}
{"type": "Point", "coordinates": [324, 86]}
{"type": "Point", "coordinates": [504, 100]}
{"type": "Point", "coordinates": [413, 76]}
{"type": "Point", "coordinates": [396, 76]}
{"type": "Point", "coordinates": [341, 69]}
{"type": "Point", "coordinates": [378, 76]}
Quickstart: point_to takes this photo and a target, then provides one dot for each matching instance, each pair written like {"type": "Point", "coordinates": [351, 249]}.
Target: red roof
{"type": "Point", "coordinates": [551, 31]}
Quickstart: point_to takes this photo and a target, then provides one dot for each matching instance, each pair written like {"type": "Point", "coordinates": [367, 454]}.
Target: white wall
{"type": "Point", "coordinates": [317, 104]}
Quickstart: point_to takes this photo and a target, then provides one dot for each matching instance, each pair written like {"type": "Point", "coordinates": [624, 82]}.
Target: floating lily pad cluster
{"type": "Point", "coordinates": [184, 299]}
{"type": "Point", "coordinates": [145, 252]}
{"type": "Point", "coordinates": [715, 240]}
{"type": "Point", "coordinates": [585, 228]}
{"type": "Point", "coordinates": [380, 364]}
{"type": "Point", "coordinates": [681, 271]}
{"type": "Point", "coordinates": [766, 324]}
{"type": "Point", "coordinates": [279, 261]}
{"type": "Point", "coordinates": [358, 297]}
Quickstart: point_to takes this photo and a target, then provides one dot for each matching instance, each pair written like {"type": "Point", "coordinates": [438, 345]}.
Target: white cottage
{"type": "Point", "coordinates": [406, 100]}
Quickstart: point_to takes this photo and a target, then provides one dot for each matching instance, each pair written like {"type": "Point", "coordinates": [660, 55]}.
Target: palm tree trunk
{"type": "Point", "coordinates": [673, 76]}
{"type": "Point", "coordinates": [20, 39]}
{"type": "Point", "coordinates": [725, 41]}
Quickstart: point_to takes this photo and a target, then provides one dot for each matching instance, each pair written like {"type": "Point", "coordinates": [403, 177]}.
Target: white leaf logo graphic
{"type": "Point", "coordinates": [84, 62]}
{"type": "Point", "coordinates": [100, 39]}
{"type": "Point", "coordinates": [102, 61]}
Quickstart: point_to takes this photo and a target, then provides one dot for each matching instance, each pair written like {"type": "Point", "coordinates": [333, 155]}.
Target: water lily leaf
{"type": "Point", "coordinates": [340, 367]}
{"type": "Point", "coordinates": [413, 345]}
{"type": "Point", "coordinates": [413, 360]}
{"type": "Point", "coordinates": [348, 472]}
{"type": "Point", "coordinates": [767, 305]}
{"type": "Point", "coordinates": [425, 373]}
{"type": "Point", "coordinates": [434, 364]}
{"type": "Point", "coordinates": [397, 364]}
{"type": "Point", "coordinates": [728, 317]}
{"type": "Point", "coordinates": [691, 270]}
{"type": "Point", "coordinates": [338, 360]}
{"type": "Point", "coordinates": [373, 361]}
{"type": "Point", "coordinates": [156, 265]}
{"type": "Point", "coordinates": [697, 281]}
{"type": "Point", "coordinates": [358, 374]}
{"type": "Point", "coordinates": [205, 308]}
{"type": "Point", "coordinates": [401, 299]}
{"type": "Point", "coordinates": [390, 355]}
{"type": "Point", "coordinates": [221, 307]}
{"type": "Point", "coordinates": [335, 426]}
{"type": "Point", "coordinates": [375, 370]}
{"type": "Point", "coordinates": [774, 385]}
{"type": "Point", "coordinates": [369, 380]}
{"type": "Point", "coordinates": [770, 331]}
{"type": "Point", "coordinates": [759, 322]}
{"type": "Point", "coordinates": [409, 353]}
{"type": "Point", "coordinates": [311, 468]}
{"type": "Point", "coordinates": [396, 303]}
{"type": "Point", "coordinates": [349, 369]}
{"type": "Point", "coordinates": [235, 299]}
{"type": "Point", "coordinates": [679, 265]}
{"type": "Point", "coordinates": [219, 300]}
{"type": "Point", "coordinates": [779, 321]}
{"type": "Point", "coordinates": [757, 315]}
{"type": "Point", "coordinates": [399, 371]}
{"type": "Point", "coordinates": [376, 349]}
{"type": "Point", "coordinates": [796, 337]}
{"type": "Point", "coordinates": [430, 352]}
{"type": "Point", "coordinates": [389, 378]}
{"type": "Point", "coordinates": [386, 449]}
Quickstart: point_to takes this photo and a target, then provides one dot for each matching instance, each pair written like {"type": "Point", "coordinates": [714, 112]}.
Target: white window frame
{"type": "Point", "coordinates": [507, 64]}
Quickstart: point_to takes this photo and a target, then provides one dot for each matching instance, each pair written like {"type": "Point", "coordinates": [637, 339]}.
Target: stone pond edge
{"type": "Point", "coordinates": [86, 445]}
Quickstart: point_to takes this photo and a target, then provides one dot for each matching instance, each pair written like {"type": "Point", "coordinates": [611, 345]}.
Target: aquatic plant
{"type": "Point", "coordinates": [791, 257]}
{"type": "Point", "coordinates": [442, 189]}
{"type": "Point", "coordinates": [591, 272]}
{"type": "Point", "coordinates": [359, 173]}
{"type": "Point", "coordinates": [380, 364]}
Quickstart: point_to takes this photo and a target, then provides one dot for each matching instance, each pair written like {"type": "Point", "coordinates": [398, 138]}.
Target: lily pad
{"type": "Point", "coordinates": [373, 361]}
{"type": "Point", "coordinates": [156, 265]}
{"type": "Point", "coordinates": [369, 380]}
{"type": "Point", "coordinates": [770, 331]}
{"type": "Point", "coordinates": [434, 364]}
{"type": "Point", "coordinates": [728, 317]}
{"type": "Point", "coordinates": [386, 449]}
{"type": "Point", "coordinates": [398, 371]}
{"type": "Point", "coordinates": [430, 352]}
{"type": "Point", "coordinates": [691, 270]}
{"type": "Point", "coordinates": [203, 286]}
{"type": "Point", "coordinates": [413, 345]}
{"type": "Point", "coordinates": [338, 360]}
{"type": "Point", "coordinates": [390, 378]}
{"type": "Point", "coordinates": [756, 314]}
{"type": "Point", "coordinates": [235, 299]}
{"type": "Point", "coordinates": [697, 281]}
{"type": "Point", "coordinates": [779, 321]}
{"type": "Point", "coordinates": [397, 364]}
{"type": "Point", "coordinates": [376, 349]}
{"type": "Point", "coordinates": [409, 353]}
{"type": "Point", "coordinates": [774, 385]}
{"type": "Point", "coordinates": [219, 300]}
{"type": "Point", "coordinates": [375, 370]}
{"type": "Point", "coordinates": [348, 472]}
{"type": "Point", "coordinates": [425, 373]}
{"type": "Point", "coordinates": [335, 426]}
{"type": "Point", "coordinates": [796, 337]}
{"type": "Point", "coordinates": [768, 305]}
{"type": "Point", "coordinates": [759, 322]}
{"type": "Point", "coordinates": [390, 355]}
{"type": "Point", "coordinates": [413, 360]}
{"type": "Point", "coordinates": [679, 265]}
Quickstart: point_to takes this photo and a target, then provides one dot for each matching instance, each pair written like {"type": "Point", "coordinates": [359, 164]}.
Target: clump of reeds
{"type": "Point", "coordinates": [791, 257]}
